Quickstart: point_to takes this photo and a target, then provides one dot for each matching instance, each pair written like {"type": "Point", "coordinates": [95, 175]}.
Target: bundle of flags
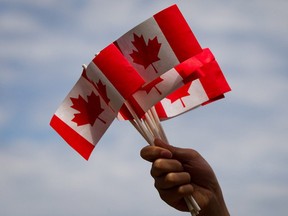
{"type": "Point", "coordinates": [154, 72]}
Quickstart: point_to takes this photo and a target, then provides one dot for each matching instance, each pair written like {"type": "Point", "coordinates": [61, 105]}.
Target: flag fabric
{"type": "Point", "coordinates": [122, 75]}
{"type": "Point", "coordinates": [94, 101]}
{"type": "Point", "coordinates": [194, 94]}
{"type": "Point", "coordinates": [154, 48]}
{"type": "Point", "coordinates": [159, 49]}
{"type": "Point", "coordinates": [175, 78]}
{"type": "Point", "coordinates": [211, 86]}
{"type": "Point", "coordinates": [159, 62]}
{"type": "Point", "coordinates": [159, 43]}
{"type": "Point", "coordinates": [83, 117]}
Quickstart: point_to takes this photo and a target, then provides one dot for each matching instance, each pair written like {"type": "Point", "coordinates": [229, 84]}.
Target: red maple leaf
{"type": "Point", "coordinates": [89, 110]}
{"type": "Point", "coordinates": [102, 91]}
{"type": "Point", "coordinates": [148, 87]}
{"type": "Point", "coordinates": [179, 94]}
{"type": "Point", "coordinates": [146, 54]}
{"type": "Point", "coordinates": [100, 87]}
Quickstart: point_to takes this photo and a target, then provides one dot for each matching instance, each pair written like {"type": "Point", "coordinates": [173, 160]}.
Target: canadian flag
{"type": "Point", "coordinates": [154, 48]}
{"type": "Point", "coordinates": [159, 43]}
{"type": "Point", "coordinates": [208, 88]}
{"type": "Point", "coordinates": [83, 117]}
{"type": "Point", "coordinates": [165, 52]}
{"type": "Point", "coordinates": [93, 103]}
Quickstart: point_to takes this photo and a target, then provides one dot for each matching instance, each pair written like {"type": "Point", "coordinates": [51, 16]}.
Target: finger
{"type": "Point", "coordinates": [172, 180]}
{"type": "Point", "coordinates": [174, 196]}
{"type": "Point", "coordinates": [151, 153]}
{"type": "Point", "coordinates": [181, 154]}
{"type": "Point", "coordinates": [163, 166]}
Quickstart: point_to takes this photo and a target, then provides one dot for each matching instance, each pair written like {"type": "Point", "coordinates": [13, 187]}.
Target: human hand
{"type": "Point", "coordinates": [180, 172]}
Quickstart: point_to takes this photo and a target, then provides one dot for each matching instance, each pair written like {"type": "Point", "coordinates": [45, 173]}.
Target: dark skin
{"type": "Point", "coordinates": [180, 172]}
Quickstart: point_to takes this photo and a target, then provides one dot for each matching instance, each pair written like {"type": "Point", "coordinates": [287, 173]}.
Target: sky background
{"type": "Point", "coordinates": [244, 137]}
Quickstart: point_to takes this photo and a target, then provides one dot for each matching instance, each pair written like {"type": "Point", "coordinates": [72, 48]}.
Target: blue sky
{"type": "Point", "coordinates": [244, 137]}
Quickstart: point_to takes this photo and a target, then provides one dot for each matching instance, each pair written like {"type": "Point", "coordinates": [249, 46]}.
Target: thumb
{"type": "Point", "coordinates": [180, 154]}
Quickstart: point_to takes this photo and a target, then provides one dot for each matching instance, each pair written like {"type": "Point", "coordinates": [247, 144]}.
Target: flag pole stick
{"type": "Point", "coordinates": [139, 129]}
{"type": "Point", "coordinates": [151, 128]}
{"type": "Point", "coordinates": [151, 125]}
{"type": "Point", "coordinates": [140, 126]}
{"type": "Point", "coordinates": [152, 117]}
{"type": "Point", "coordinates": [158, 124]}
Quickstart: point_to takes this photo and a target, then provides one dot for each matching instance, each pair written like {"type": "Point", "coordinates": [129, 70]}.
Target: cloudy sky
{"type": "Point", "coordinates": [244, 137]}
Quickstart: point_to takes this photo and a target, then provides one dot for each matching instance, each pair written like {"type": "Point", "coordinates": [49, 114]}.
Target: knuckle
{"type": "Point", "coordinates": [171, 178]}
{"type": "Point", "coordinates": [182, 189]}
{"type": "Point", "coordinates": [178, 178]}
{"type": "Point", "coordinates": [158, 164]}
{"type": "Point", "coordinates": [194, 153]}
{"type": "Point", "coordinates": [157, 168]}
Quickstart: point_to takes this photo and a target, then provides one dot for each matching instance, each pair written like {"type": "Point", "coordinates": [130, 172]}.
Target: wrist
{"type": "Point", "coordinates": [220, 205]}
{"type": "Point", "coordinates": [216, 206]}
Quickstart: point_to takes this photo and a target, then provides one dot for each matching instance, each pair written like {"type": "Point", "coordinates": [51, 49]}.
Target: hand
{"type": "Point", "coordinates": [182, 172]}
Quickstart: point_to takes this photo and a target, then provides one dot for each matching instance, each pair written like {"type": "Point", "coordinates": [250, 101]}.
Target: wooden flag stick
{"type": "Point", "coordinates": [151, 124]}
{"type": "Point", "coordinates": [154, 124]}
{"type": "Point", "coordinates": [151, 128]}
{"type": "Point", "coordinates": [140, 130]}
{"type": "Point", "coordinates": [140, 126]}
{"type": "Point", "coordinates": [190, 207]}
{"type": "Point", "coordinates": [152, 117]}
{"type": "Point", "coordinates": [194, 204]}
{"type": "Point", "coordinates": [158, 124]}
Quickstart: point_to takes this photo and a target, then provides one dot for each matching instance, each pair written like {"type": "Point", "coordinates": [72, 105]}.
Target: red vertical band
{"type": "Point", "coordinates": [178, 33]}
{"type": "Point", "coordinates": [118, 70]}
{"type": "Point", "coordinates": [160, 111]}
{"type": "Point", "coordinates": [214, 81]}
